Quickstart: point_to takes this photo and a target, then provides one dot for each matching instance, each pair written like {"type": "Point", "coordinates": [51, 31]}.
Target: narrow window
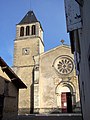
{"type": "Point", "coordinates": [33, 29]}
{"type": "Point", "coordinates": [27, 30]}
{"type": "Point", "coordinates": [22, 31]}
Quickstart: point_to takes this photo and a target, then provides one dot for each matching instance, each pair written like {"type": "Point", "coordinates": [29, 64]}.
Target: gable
{"type": "Point", "coordinates": [5, 69]}
{"type": "Point", "coordinates": [58, 51]}
{"type": "Point", "coordinates": [50, 60]}
{"type": "Point", "coordinates": [4, 75]}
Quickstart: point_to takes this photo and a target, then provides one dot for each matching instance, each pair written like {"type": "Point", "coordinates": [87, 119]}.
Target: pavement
{"type": "Point", "coordinates": [50, 117]}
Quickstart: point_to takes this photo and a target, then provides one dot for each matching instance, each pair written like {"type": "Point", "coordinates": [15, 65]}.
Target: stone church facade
{"type": "Point", "coordinates": [52, 84]}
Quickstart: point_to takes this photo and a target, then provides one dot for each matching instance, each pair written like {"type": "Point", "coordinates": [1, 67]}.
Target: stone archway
{"type": "Point", "coordinates": [65, 88]}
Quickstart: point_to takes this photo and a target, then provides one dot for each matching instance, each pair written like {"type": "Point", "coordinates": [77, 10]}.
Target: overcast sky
{"type": "Point", "coordinates": [50, 13]}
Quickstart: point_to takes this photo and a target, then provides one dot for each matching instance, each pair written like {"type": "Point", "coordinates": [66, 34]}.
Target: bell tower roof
{"type": "Point", "coordinates": [28, 18]}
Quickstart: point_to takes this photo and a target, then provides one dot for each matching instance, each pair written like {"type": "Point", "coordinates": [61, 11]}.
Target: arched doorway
{"type": "Point", "coordinates": [65, 96]}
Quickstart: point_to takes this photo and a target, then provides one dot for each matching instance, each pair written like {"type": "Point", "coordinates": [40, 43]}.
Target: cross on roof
{"type": "Point", "coordinates": [62, 41]}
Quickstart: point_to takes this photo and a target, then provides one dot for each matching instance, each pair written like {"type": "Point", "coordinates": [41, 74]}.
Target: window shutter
{"type": "Point", "coordinates": [73, 17]}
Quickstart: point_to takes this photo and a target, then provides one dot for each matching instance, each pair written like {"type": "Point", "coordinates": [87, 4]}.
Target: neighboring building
{"type": "Point", "coordinates": [52, 85]}
{"type": "Point", "coordinates": [78, 26]}
{"type": "Point", "coordinates": [10, 84]}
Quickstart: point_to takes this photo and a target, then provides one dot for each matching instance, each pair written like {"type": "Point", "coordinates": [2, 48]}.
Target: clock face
{"type": "Point", "coordinates": [64, 65]}
{"type": "Point", "coordinates": [25, 51]}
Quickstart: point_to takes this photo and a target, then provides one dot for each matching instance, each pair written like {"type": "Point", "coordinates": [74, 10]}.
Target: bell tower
{"type": "Point", "coordinates": [28, 43]}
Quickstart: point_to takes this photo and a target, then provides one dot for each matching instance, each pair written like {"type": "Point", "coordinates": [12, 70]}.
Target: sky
{"type": "Point", "coordinates": [50, 13]}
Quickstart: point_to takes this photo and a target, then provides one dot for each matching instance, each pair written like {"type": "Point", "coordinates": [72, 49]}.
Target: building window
{"type": "Point", "coordinates": [27, 30]}
{"type": "Point", "coordinates": [64, 65]}
{"type": "Point", "coordinates": [33, 30]}
{"type": "Point", "coordinates": [22, 31]}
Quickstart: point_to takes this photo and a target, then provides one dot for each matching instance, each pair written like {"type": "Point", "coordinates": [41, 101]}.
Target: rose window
{"type": "Point", "coordinates": [64, 65]}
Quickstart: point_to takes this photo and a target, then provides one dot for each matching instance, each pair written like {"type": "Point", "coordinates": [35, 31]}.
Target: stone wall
{"type": "Point", "coordinates": [10, 93]}
{"type": "Point", "coordinates": [50, 79]}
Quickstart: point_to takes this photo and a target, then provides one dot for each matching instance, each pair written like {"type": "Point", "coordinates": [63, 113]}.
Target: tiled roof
{"type": "Point", "coordinates": [29, 18]}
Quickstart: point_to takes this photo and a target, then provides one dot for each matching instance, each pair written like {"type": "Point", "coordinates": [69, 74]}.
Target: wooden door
{"type": "Point", "coordinates": [66, 102]}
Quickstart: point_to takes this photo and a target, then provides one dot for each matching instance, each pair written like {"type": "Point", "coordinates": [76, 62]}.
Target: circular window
{"type": "Point", "coordinates": [64, 65]}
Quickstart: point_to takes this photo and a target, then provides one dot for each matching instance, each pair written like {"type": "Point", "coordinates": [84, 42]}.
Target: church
{"type": "Point", "coordinates": [52, 84]}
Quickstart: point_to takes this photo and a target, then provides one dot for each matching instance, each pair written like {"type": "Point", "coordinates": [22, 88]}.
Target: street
{"type": "Point", "coordinates": [50, 117]}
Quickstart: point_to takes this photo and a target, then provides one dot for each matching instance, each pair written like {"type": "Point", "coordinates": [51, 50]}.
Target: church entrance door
{"type": "Point", "coordinates": [66, 102]}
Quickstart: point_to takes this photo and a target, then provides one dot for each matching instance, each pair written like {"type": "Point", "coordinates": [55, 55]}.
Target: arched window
{"type": "Point", "coordinates": [33, 32]}
{"type": "Point", "coordinates": [22, 31]}
{"type": "Point", "coordinates": [27, 30]}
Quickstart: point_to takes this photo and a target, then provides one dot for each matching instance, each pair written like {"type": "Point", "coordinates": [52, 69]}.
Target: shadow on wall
{"type": "Point", "coordinates": [32, 94]}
